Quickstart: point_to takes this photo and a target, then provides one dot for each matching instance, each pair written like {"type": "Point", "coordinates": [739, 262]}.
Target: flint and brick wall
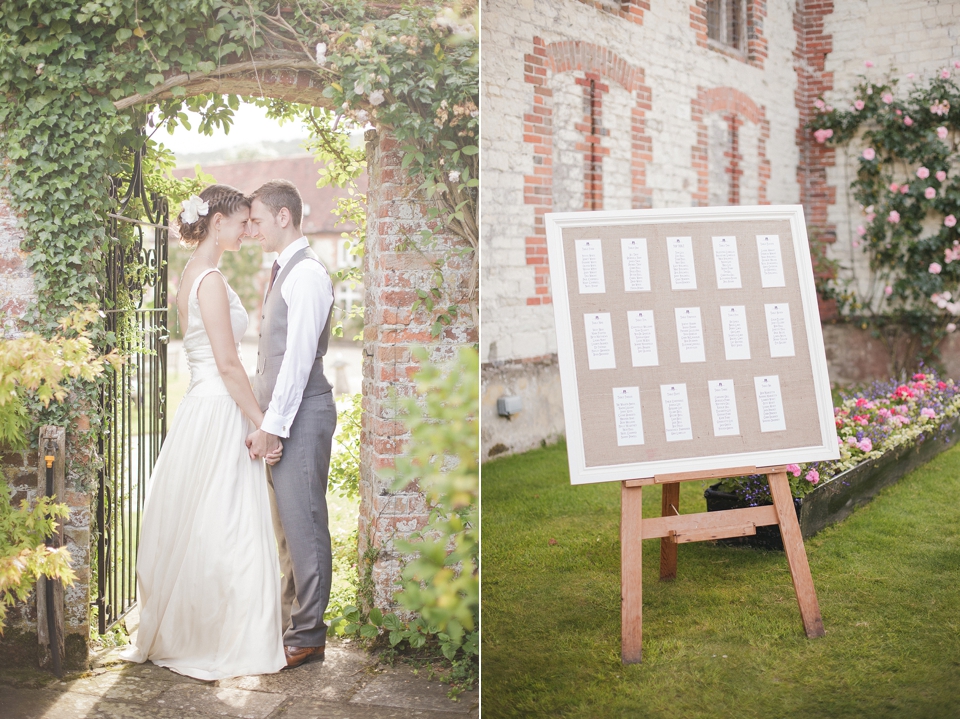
{"type": "Point", "coordinates": [585, 108]}
{"type": "Point", "coordinates": [392, 270]}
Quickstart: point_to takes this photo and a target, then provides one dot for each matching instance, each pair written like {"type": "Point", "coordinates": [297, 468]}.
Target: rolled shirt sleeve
{"type": "Point", "coordinates": [308, 292]}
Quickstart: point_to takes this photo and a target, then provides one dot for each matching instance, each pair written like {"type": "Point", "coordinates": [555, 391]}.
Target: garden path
{"type": "Point", "coordinates": [349, 684]}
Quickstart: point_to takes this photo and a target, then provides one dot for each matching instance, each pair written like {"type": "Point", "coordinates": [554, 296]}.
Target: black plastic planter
{"type": "Point", "coordinates": [834, 501]}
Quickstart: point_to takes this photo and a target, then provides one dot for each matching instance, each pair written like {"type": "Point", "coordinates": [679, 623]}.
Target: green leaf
{"type": "Point", "coordinates": [124, 34]}
{"type": "Point", "coordinates": [369, 631]}
{"type": "Point", "coordinates": [376, 616]}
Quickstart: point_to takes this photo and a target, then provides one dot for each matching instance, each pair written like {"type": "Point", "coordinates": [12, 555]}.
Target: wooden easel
{"type": "Point", "coordinates": [673, 528]}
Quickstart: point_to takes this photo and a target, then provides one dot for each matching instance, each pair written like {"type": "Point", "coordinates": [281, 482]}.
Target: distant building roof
{"type": "Point", "coordinates": [301, 171]}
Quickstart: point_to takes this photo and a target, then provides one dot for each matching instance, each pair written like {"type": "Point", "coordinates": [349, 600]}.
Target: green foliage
{"type": "Point", "coordinates": [907, 142]}
{"type": "Point", "coordinates": [41, 367]}
{"type": "Point", "coordinates": [344, 476]}
{"type": "Point", "coordinates": [441, 584]}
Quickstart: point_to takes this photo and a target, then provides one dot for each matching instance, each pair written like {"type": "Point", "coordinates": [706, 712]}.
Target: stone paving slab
{"type": "Point", "coordinates": [45, 704]}
{"type": "Point", "coordinates": [348, 684]}
{"type": "Point", "coordinates": [334, 679]}
{"type": "Point", "coordinates": [400, 687]}
{"type": "Point", "coordinates": [219, 701]}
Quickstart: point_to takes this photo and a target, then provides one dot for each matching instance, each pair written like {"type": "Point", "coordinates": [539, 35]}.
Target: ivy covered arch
{"type": "Point", "coordinates": [77, 80]}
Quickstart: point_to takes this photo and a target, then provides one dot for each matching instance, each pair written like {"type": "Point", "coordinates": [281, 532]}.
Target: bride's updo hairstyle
{"type": "Point", "coordinates": [221, 198]}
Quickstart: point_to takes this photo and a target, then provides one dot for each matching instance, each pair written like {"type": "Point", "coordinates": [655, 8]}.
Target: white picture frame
{"type": "Point", "coordinates": [641, 223]}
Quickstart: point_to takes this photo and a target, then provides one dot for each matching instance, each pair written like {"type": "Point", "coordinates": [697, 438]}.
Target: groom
{"type": "Point", "coordinates": [297, 401]}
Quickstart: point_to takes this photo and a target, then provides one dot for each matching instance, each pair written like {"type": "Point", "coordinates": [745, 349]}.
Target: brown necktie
{"type": "Point", "coordinates": [273, 275]}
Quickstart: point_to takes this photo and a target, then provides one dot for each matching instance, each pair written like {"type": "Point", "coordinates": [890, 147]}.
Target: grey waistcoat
{"type": "Point", "coordinates": [273, 340]}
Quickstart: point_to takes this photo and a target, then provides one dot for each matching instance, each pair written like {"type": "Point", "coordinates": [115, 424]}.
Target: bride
{"type": "Point", "coordinates": [207, 567]}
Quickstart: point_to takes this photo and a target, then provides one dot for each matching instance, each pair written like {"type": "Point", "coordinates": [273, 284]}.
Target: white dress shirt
{"type": "Point", "coordinates": [308, 292]}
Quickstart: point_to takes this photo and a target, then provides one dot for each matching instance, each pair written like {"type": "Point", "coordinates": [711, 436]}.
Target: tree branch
{"type": "Point", "coordinates": [235, 68]}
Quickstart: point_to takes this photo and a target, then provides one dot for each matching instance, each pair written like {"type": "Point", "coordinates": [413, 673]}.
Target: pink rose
{"type": "Point", "coordinates": [894, 187]}
{"type": "Point", "coordinates": [794, 469]}
{"type": "Point", "coordinates": [893, 217]}
{"type": "Point", "coordinates": [923, 173]}
{"type": "Point", "coordinates": [934, 268]}
{"type": "Point", "coordinates": [856, 244]}
{"type": "Point", "coordinates": [941, 175]}
{"type": "Point", "coordinates": [865, 445]}
{"type": "Point", "coordinates": [867, 63]}
{"type": "Point", "coordinates": [942, 132]}
{"type": "Point", "coordinates": [869, 154]}
{"type": "Point", "coordinates": [899, 112]}
{"type": "Point", "coordinates": [823, 135]}
{"type": "Point", "coordinates": [819, 104]}
{"type": "Point", "coordinates": [930, 193]}
{"type": "Point", "coordinates": [861, 230]}
{"type": "Point", "coordinates": [888, 290]}
{"type": "Point", "coordinates": [887, 98]}
{"type": "Point", "coordinates": [852, 441]}
{"type": "Point", "coordinates": [813, 476]}
{"type": "Point", "coordinates": [904, 189]}
{"type": "Point", "coordinates": [951, 327]}
{"type": "Point", "coordinates": [950, 220]}
{"type": "Point", "coordinates": [907, 121]}
{"type": "Point", "coordinates": [956, 64]}
{"type": "Point", "coordinates": [871, 216]}
{"type": "Point", "coordinates": [911, 75]}
{"type": "Point", "coordinates": [858, 104]}
{"type": "Point", "coordinates": [944, 74]}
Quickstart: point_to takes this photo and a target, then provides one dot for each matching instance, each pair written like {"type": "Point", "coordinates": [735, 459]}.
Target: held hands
{"type": "Point", "coordinates": [266, 445]}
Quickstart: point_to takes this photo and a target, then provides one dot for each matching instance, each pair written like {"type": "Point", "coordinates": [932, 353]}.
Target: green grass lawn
{"type": "Point", "coordinates": [725, 639]}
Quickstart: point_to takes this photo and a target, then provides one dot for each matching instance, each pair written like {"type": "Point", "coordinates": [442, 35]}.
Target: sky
{"type": "Point", "coordinates": [250, 126]}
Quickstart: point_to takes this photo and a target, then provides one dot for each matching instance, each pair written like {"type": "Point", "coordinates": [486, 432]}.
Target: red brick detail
{"type": "Point", "coordinates": [698, 21]}
{"type": "Point", "coordinates": [600, 66]}
{"type": "Point", "coordinates": [736, 107]}
{"type": "Point", "coordinates": [809, 61]}
{"type": "Point", "coordinates": [755, 53]}
{"type": "Point", "coordinates": [631, 10]}
{"type": "Point", "coordinates": [813, 46]}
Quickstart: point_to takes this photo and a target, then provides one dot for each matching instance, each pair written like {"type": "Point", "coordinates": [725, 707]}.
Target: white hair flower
{"type": "Point", "coordinates": [193, 209]}
{"type": "Point", "coordinates": [321, 53]}
{"type": "Point", "coordinates": [376, 97]}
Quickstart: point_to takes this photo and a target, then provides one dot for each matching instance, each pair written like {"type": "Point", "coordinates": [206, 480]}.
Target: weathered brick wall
{"type": "Point", "coordinates": [596, 110]}
{"type": "Point", "coordinates": [393, 268]}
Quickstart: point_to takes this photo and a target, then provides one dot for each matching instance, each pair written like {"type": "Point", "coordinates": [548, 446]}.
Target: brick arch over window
{"type": "Point", "coordinates": [737, 108]}
{"type": "Point", "coordinates": [599, 66]}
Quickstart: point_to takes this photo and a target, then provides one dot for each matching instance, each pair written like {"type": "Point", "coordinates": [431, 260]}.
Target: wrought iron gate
{"type": "Point", "coordinates": [134, 398]}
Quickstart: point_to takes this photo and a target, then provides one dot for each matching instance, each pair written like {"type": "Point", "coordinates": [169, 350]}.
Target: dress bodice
{"type": "Point", "coordinates": [196, 342]}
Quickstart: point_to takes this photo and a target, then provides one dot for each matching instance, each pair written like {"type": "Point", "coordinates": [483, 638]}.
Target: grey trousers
{"type": "Point", "coordinates": [298, 500]}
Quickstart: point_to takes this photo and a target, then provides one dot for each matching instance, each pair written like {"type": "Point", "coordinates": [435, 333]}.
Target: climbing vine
{"type": "Point", "coordinates": [907, 142]}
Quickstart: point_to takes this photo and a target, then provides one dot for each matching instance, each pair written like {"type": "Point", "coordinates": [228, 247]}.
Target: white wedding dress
{"type": "Point", "coordinates": [207, 568]}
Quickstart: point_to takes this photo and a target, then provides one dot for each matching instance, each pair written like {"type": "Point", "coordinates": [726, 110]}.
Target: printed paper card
{"type": "Point", "coordinates": [726, 262]}
{"type": "Point", "coordinates": [599, 341]}
{"type": "Point", "coordinates": [690, 334]}
{"type": "Point", "coordinates": [779, 330]}
{"type": "Point", "coordinates": [626, 405]}
{"type": "Point", "coordinates": [680, 256]}
{"type": "Point", "coordinates": [770, 404]}
{"type": "Point", "coordinates": [771, 262]}
{"type": "Point", "coordinates": [723, 408]}
{"type": "Point", "coordinates": [590, 267]}
{"type": "Point", "coordinates": [736, 343]}
{"type": "Point", "coordinates": [643, 338]}
{"type": "Point", "coordinates": [676, 412]}
{"type": "Point", "coordinates": [636, 264]}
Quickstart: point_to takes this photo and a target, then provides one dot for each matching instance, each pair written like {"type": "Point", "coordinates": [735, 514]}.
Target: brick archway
{"type": "Point", "coordinates": [737, 108]}
{"type": "Point", "coordinates": [599, 66]}
{"type": "Point", "coordinates": [396, 211]}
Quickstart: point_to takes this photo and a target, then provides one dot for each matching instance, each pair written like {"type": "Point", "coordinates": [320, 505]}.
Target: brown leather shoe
{"type": "Point", "coordinates": [301, 655]}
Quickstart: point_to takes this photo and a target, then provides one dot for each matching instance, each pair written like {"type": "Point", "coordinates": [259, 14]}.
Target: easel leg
{"type": "Point", "coordinates": [670, 506]}
{"type": "Point", "coordinates": [631, 574]}
{"type": "Point", "coordinates": [796, 554]}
